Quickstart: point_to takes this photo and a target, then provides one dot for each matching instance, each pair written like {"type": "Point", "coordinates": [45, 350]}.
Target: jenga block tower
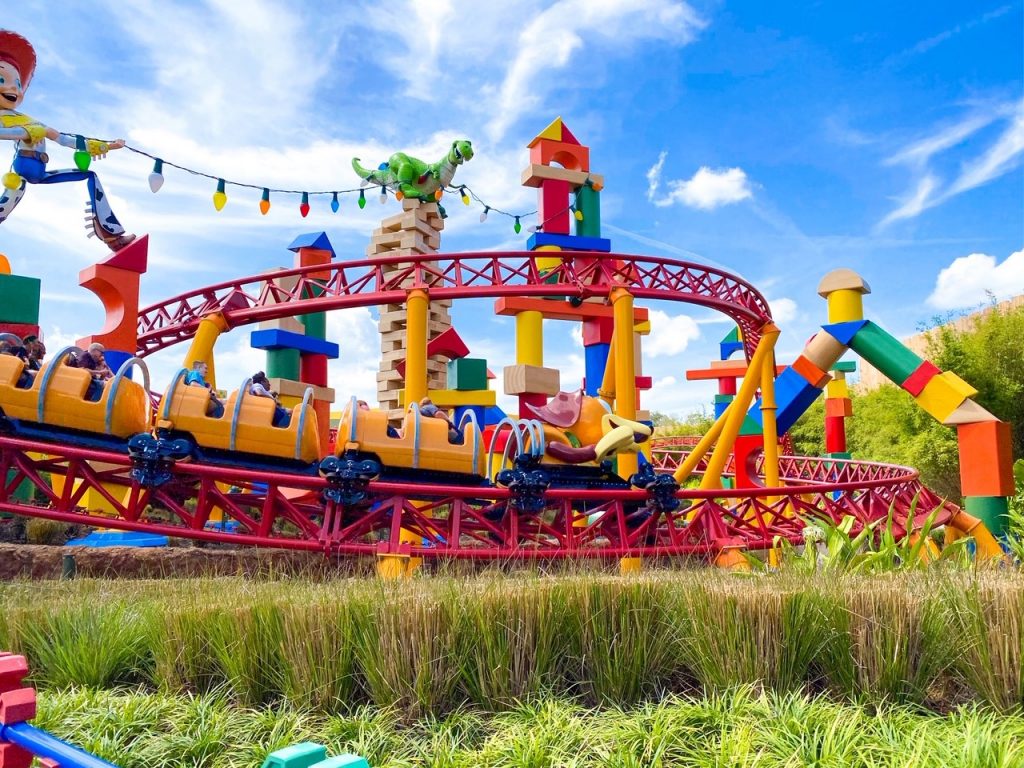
{"type": "Point", "coordinates": [414, 231]}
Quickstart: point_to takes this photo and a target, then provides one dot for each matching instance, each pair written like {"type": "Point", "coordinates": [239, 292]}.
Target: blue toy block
{"type": "Point", "coordinates": [478, 410]}
{"type": "Point", "coordinates": [596, 358]}
{"type": "Point", "coordinates": [728, 348]}
{"type": "Point", "coordinates": [276, 338]}
{"type": "Point", "coordinates": [304, 755]}
{"type": "Point", "coordinates": [793, 394]}
{"type": "Point", "coordinates": [844, 332]}
{"type": "Point", "coordinates": [569, 242]}
{"type": "Point", "coordinates": [492, 415]}
{"type": "Point", "coordinates": [342, 761]}
{"type": "Point", "coordinates": [99, 539]}
{"type": "Point", "coordinates": [316, 240]}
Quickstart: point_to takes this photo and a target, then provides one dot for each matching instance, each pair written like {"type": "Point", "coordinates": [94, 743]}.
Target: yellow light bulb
{"type": "Point", "coordinates": [219, 200]}
{"type": "Point", "coordinates": [578, 214]}
{"type": "Point", "coordinates": [12, 180]}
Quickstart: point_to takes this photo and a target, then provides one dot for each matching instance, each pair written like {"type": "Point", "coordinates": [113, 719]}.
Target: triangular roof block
{"type": "Point", "coordinates": [317, 240]}
{"type": "Point", "coordinates": [556, 131]}
{"type": "Point", "coordinates": [132, 258]}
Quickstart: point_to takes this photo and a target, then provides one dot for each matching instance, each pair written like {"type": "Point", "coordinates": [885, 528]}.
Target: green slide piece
{"type": "Point", "coordinates": [885, 352]}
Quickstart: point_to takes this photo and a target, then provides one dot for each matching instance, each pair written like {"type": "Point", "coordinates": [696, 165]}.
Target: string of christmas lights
{"type": "Point", "coordinates": [220, 197]}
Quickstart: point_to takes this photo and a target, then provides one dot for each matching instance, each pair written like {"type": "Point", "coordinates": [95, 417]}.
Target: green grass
{"type": "Point", "coordinates": [434, 645]}
{"type": "Point", "coordinates": [734, 728]}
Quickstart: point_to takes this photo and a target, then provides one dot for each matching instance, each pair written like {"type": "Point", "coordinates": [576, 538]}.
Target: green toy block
{"type": "Point", "coordinates": [724, 398]}
{"type": "Point", "coordinates": [839, 455]}
{"type": "Point", "coordinates": [304, 755]}
{"type": "Point", "coordinates": [588, 202]}
{"type": "Point", "coordinates": [467, 373]}
{"type": "Point", "coordinates": [991, 510]}
{"type": "Point", "coordinates": [316, 324]}
{"type": "Point", "coordinates": [19, 299]}
{"type": "Point", "coordinates": [343, 761]}
{"type": "Point", "coordinates": [885, 352]}
{"type": "Point", "coordinates": [845, 366]}
{"type": "Point", "coordinates": [750, 426]}
{"type": "Point", "coordinates": [283, 364]}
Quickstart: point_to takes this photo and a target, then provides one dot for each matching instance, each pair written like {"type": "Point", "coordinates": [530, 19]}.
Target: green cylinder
{"type": "Point", "coordinates": [588, 202]}
{"type": "Point", "coordinates": [316, 325]}
{"type": "Point", "coordinates": [885, 352]}
{"type": "Point", "coordinates": [283, 364]}
{"type": "Point", "coordinates": [68, 567]}
{"type": "Point", "coordinates": [991, 510]}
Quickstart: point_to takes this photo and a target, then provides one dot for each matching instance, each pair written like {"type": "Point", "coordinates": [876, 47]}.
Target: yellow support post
{"type": "Point", "coordinates": [843, 290]}
{"type": "Point", "coordinates": [530, 338]}
{"type": "Point", "coordinates": [770, 428]}
{"type": "Point", "coordinates": [737, 410]}
{"type": "Point", "coordinates": [417, 309]}
{"type": "Point", "coordinates": [625, 371]}
{"type": "Point", "coordinates": [625, 388]}
{"type": "Point", "coordinates": [201, 348]}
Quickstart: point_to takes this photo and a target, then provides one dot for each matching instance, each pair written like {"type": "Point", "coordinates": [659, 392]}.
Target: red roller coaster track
{"type": "Point", "coordinates": [278, 509]}
{"type": "Point", "coordinates": [271, 509]}
{"type": "Point", "coordinates": [374, 282]}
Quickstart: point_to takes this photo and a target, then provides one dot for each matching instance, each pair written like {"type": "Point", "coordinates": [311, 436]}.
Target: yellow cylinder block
{"type": "Point", "coordinates": [530, 338]}
{"type": "Point", "coordinates": [625, 373]}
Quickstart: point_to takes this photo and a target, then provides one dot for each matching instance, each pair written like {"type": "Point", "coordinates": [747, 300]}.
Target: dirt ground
{"type": "Point", "coordinates": [39, 561]}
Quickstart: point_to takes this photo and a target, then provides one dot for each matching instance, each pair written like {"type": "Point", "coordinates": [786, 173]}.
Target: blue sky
{"type": "Point", "coordinates": [779, 140]}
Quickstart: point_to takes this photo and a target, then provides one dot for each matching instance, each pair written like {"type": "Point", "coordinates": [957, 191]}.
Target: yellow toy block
{"type": "Point", "coordinates": [452, 398]}
{"type": "Point", "coordinates": [643, 327]}
{"type": "Point", "coordinates": [837, 388]}
{"type": "Point", "coordinates": [531, 379]}
{"type": "Point", "coordinates": [944, 394]}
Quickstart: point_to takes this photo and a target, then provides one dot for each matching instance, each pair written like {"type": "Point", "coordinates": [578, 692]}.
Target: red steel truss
{"type": "Point", "coordinates": [377, 281]}
{"type": "Point", "coordinates": [273, 509]}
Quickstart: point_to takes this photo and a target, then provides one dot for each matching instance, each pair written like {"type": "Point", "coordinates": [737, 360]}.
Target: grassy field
{"type": "Point", "coordinates": [735, 729]}
{"type": "Point", "coordinates": [933, 639]}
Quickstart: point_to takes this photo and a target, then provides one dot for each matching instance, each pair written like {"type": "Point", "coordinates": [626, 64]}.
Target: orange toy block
{"type": "Point", "coordinates": [812, 373]}
{"type": "Point", "coordinates": [986, 459]}
{"type": "Point", "coordinates": [116, 283]}
{"type": "Point", "coordinates": [571, 156]}
{"type": "Point", "coordinates": [838, 406]}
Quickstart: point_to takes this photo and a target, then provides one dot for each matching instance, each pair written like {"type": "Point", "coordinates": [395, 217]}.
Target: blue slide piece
{"type": "Point", "coordinates": [844, 332]}
{"type": "Point", "coordinates": [42, 744]}
{"type": "Point", "coordinates": [276, 338]}
{"type": "Point", "coordinates": [569, 242]}
{"type": "Point", "coordinates": [596, 358]}
{"type": "Point", "coordinates": [794, 394]}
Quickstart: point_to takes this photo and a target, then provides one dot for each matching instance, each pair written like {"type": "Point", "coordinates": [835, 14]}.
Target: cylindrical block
{"type": "Point", "coordinates": [417, 305]}
{"type": "Point", "coordinates": [625, 374]}
{"type": "Point", "coordinates": [283, 364]}
{"type": "Point", "coordinates": [845, 305]}
{"type": "Point", "coordinates": [530, 338]}
{"type": "Point", "coordinates": [313, 369]}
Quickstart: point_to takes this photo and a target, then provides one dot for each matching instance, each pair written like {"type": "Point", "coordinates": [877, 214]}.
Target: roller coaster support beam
{"type": "Point", "coordinates": [210, 327]}
{"type": "Point", "coordinates": [769, 428]}
{"type": "Point", "coordinates": [417, 308]}
{"type": "Point", "coordinates": [737, 410]}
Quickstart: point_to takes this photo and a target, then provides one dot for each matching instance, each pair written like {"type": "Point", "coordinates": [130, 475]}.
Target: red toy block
{"type": "Point", "coordinates": [13, 669]}
{"type": "Point", "coordinates": [553, 206]}
{"type": "Point", "coordinates": [986, 459]}
{"type": "Point", "coordinates": [812, 373]}
{"type": "Point", "coordinates": [598, 331]}
{"type": "Point", "coordinates": [835, 434]}
{"type": "Point", "coordinates": [12, 756]}
{"type": "Point", "coordinates": [132, 258]}
{"type": "Point", "coordinates": [838, 407]}
{"type": "Point", "coordinates": [21, 330]}
{"type": "Point", "coordinates": [922, 375]}
{"type": "Point", "coordinates": [116, 283]}
{"type": "Point", "coordinates": [644, 382]}
{"type": "Point", "coordinates": [571, 156]}
{"type": "Point", "coordinates": [17, 706]}
{"type": "Point", "coordinates": [745, 450]}
{"type": "Point", "coordinates": [446, 344]}
{"type": "Point", "coordinates": [313, 370]}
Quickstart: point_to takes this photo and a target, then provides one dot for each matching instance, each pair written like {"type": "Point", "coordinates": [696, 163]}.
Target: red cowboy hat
{"type": "Point", "coordinates": [18, 51]}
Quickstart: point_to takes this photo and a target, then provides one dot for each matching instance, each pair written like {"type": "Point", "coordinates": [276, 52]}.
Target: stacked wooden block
{"type": "Point", "coordinates": [416, 230]}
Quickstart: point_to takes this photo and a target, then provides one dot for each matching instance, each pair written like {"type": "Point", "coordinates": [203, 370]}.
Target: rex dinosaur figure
{"type": "Point", "coordinates": [413, 177]}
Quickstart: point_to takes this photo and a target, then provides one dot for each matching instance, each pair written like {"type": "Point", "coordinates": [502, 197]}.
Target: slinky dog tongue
{"type": "Point", "coordinates": [563, 410]}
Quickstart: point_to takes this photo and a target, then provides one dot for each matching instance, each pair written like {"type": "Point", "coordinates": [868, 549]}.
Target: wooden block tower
{"type": "Point", "coordinates": [414, 231]}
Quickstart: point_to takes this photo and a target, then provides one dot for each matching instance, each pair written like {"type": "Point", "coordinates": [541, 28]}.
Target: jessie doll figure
{"type": "Point", "coordinates": [17, 65]}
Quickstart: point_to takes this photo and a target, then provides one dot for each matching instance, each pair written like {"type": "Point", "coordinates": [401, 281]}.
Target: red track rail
{"type": "Point", "coordinates": [456, 522]}
{"type": "Point", "coordinates": [378, 281]}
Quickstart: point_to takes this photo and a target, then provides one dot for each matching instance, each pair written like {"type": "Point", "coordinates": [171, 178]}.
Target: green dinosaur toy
{"type": "Point", "coordinates": [415, 178]}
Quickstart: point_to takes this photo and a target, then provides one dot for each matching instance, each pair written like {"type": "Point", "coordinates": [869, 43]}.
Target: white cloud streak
{"type": "Point", "coordinates": [970, 280]}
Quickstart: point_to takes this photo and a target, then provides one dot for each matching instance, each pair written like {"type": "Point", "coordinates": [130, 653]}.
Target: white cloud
{"type": "Point", "coordinates": [707, 189]}
{"type": "Point", "coordinates": [670, 334]}
{"type": "Point", "coordinates": [784, 311]}
{"type": "Point", "coordinates": [969, 280]}
{"type": "Point", "coordinates": [1003, 155]}
{"type": "Point", "coordinates": [654, 176]}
